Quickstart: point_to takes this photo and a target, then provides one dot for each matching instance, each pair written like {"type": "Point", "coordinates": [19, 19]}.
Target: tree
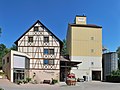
{"type": "Point", "coordinates": [3, 51]}
{"type": "Point", "coordinates": [64, 48]}
{"type": "Point", "coordinates": [115, 73]}
{"type": "Point", "coordinates": [118, 52]}
{"type": "Point", "coordinates": [14, 47]}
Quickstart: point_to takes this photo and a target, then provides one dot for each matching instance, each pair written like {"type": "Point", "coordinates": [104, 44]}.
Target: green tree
{"type": "Point", "coordinates": [64, 48]}
{"type": "Point", "coordinates": [14, 47]}
{"type": "Point", "coordinates": [3, 51]}
{"type": "Point", "coordinates": [118, 52]}
{"type": "Point", "coordinates": [115, 73]}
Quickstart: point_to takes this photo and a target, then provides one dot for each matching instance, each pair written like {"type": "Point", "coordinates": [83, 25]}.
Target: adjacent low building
{"type": "Point", "coordinates": [110, 63]}
{"type": "Point", "coordinates": [16, 65]}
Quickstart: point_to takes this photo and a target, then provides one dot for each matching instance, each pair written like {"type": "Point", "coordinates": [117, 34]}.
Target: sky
{"type": "Point", "coordinates": [16, 16]}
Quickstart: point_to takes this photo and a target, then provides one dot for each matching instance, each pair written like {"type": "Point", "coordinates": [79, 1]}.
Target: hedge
{"type": "Point", "coordinates": [115, 79]}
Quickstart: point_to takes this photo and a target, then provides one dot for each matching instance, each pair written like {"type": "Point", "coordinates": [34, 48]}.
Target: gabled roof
{"type": "Point", "coordinates": [16, 42]}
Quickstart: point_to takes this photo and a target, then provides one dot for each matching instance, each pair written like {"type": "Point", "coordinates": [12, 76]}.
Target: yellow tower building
{"type": "Point", "coordinates": [84, 44]}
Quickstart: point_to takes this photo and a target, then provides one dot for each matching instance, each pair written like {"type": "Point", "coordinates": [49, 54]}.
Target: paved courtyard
{"type": "Point", "coordinates": [92, 86]}
{"type": "Point", "coordinates": [62, 86]}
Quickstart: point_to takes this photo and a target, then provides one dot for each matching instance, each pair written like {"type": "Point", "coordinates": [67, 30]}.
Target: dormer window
{"type": "Point", "coordinates": [36, 29]}
{"type": "Point", "coordinates": [46, 39]}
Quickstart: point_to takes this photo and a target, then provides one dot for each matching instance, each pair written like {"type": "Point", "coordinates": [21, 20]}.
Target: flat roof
{"type": "Point", "coordinates": [86, 25]}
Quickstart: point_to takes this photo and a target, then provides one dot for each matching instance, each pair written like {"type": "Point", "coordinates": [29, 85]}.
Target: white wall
{"type": "Point", "coordinates": [86, 67]}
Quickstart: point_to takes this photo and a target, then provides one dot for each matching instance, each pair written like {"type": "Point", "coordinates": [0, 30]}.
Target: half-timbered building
{"type": "Point", "coordinates": [44, 49]}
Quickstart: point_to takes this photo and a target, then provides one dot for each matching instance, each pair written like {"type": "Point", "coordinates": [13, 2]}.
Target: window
{"type": "Point", "coordinates": [46, 39]}
{"type": "Point", "coordinates": [45, 51]}
{"type": "Point", "coordinates": [92, 50]}
{"type": "Point", "coordinates": [51, 51]}
{"type": "Point", "coordinates": [46, 62]}
{"type": "Point", "coordinates": [50, 62]}
{"type": "Point", "coordinates": [36, 29]}
{"type": "Point", "coordinates": [48, 51]}
{"type": "Point", "coordinates": [3, 61]}
{"type": "Point", "coordinates": [7, 59]}
{"type": "Point", "coordinates": [92, 63]}
{"type": "Point", "coordinates": [30, 39]}
{"type": "Point", "coordinates": [92, 38]}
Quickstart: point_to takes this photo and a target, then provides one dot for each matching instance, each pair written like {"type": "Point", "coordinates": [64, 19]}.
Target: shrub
{"type": "Point", "coordinates": [28, 79]}
{"type": "Point", "coordinates": [1, 89]}
{"type": "Point", "coordinates": [113, 79]}
{"type": "Point", "coordinates": [2, 73]}
{"type": "Point", "coordinates": [115, 73]}
{"type": "Point", "coordinates": [24, 81]}
{"type": "Point", "coordinates": [54, 81]}
{"type": "Point", "coordinates": [19, 82]}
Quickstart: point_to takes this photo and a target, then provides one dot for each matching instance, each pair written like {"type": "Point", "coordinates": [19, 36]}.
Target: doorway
{"type": "Point", "coordinates": [18, 75]}
{"type": "Point", "coordinates": [96, 75]}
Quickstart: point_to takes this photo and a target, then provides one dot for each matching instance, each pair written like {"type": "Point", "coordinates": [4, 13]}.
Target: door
{"type": "Point", "coordinates": [18, 75]}
{"type": "Point", "coordinates": [96, 75]}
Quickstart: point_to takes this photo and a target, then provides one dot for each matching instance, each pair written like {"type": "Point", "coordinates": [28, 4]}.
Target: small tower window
{"type": "Point", "coordinates": [36, 29]}
{"type": "Point", "coordinates": [92, 63]}
{"type": "Point", "coordinates": [30, 39]}
{"type": "Point", "coordinates": [92, 38]}
{"type": "Point", "coordinates": [92, 50]}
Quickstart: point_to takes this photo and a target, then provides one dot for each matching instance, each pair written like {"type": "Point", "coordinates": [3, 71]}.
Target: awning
{"type": "Point", "coordinates": [67, 63]}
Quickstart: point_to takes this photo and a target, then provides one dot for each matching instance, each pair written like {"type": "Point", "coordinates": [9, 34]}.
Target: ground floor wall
{"type": "Point", "coordinates": [89, 68]}
{"type": "Point", "coordinates": [41, 75]}
{"type": "Point", "coordinates": [6, 65]}
{"type": "Point", "coordinates": [88, 74]}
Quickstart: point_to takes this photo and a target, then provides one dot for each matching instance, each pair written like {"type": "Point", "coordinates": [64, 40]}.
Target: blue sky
{"type": "Point", "coordinates": [16, 16]}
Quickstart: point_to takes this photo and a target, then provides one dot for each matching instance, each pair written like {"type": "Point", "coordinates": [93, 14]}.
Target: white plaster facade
{"type": "Point", "coordinates": [89, 64]}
